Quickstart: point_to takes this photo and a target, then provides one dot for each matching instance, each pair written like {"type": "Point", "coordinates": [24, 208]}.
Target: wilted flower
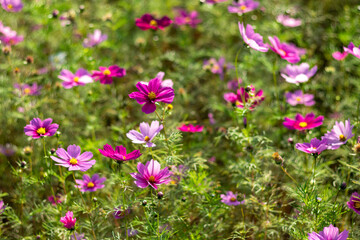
{"type": "Point", "coordinates": [72, 158]}
{"type": "Point", "coordinates": [339, 135]}
{"type": "Point", "coordinates": [339, 56]}
{"type": "Point", "coordinates": [147, 21]}
{"type": "Point", "coordinates": [2, 206]}
{"type": "Point", "coordinates": [94, 39]}
{"type": "Point", "coordinates": [298, 74]}
{"type": "Point", "coordinates": [38, 128]}
{"type": "Point", "coordinates": [298, 97]}
{"type": "Point", "coordinates": [11, 5]}
{"type": "Point", "coordinates": [243, 6]}
{"type": "Point", "coordinates": [146, 134]}
{"type": "Point", "coordinates": [354, 202]}
{"type": "Point", "coordinates": [120, 212]}
{"type": "Point", "coordinates": [251, 97]}
{"type": "Point", "coordinates": [315, 146]}
{"type": "Point", "coordinates": [81, 77]}
{"type": "Point", "coordinates": [55, 199]}
{"type": "Point", "coordinates": [217, 67]}
{"type": "Point", "coordinates": [287, 21]}
{"type": "Point", "coordinates": [90, 184]}
{"type": "Point", "coordinates": [286, 51]}
{"type": "Point", "coordinates": [353, 50]}
{"type": "Point", "coordinates": [151, 174]}
{"type": "Point", "coordinates": [119, 154]}
{"type": "Point", "coordinates": [191, 128]}
{"type": "Point", "coordinates": [231, 199]}
{"type": "Point", "coordinates": [329, 233]}
{"type": "Point", "coordinates": [106, 74]}
{"type": "Point", "coordinates": [303, 123]}
{"type": "Point", "coordinates": [254, 40]}
{"type": "Point", "coordinates": [68, 220]}
{"type": "Point", "coordinates": [187, 18]}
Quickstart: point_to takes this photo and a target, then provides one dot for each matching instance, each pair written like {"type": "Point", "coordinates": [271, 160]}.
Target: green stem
{"type": "Point", "coordinates": [275, 83]}
{"type": "Point", "coordinates": [79, 190]}
{"type": "Point", "coordinates": [163, 123]}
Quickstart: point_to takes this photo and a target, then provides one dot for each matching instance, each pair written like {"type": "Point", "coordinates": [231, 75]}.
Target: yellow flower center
{"type": "Point", "coordinates": [356, 204]}
{"type": "Point", "coordinates": [303, 124]}
{"type": "Point", "coordinates": [151, 95]}
{"type": "Point", "coordinates": [282, 52]}
{"type": "Point", "coordinates": [73, 161]}
{"type": "Point", "coordinates": [313, 148]}
{"type": "Point", "coordinates": [298, 99]}
{"type": "Point", "coordinates": [232, 199]}
{"type": "Point", "coordinates": [187, 19]}
{"type": "Point", "coordinates": [90, 185]}
{"type": "Point", "coordinates": [243, 7]}
{"type": "Point", "coordinates": [173, 182]}
{"type": "Point", "coordinates": [153, 23]}
{"type": "Point", "coordinates": [106, 72]}
{"type": "Point", "coordinates": [27, 90]}
{"type": "Point", "coordinates": [152, 179]}
{"type": "Point", "coordinates": [41, 130]}
{"type": "Point", "coordinates": [124, 157]}
{"type": "Point", "coordinates": [342, 138]}
{"type": "Point", "coordinates": [169, 107]}
{"type": "Point", "coordinates": [10, 6]}
{"type": "Point", "coordinates": [76, 79]}
{"type": "Point", "coordinates": [146, 139]}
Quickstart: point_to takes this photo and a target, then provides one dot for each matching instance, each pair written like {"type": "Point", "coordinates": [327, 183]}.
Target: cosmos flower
{"type": "Point", "coordinates": [339, 56]}
{"type": "Point", "coordinates": [287, 21]}
{"type": "Point", "coordinates": [151, 174]}
{"type": "Point", "coordinates": [120, 212]}
{"type": "Point", "coordinates": [191, 128]}
{"type": "Point", "coordinates": [354, 202]}
{"type": "Point", "coordinates": [298, 73]}
{"type": "Point", "coordinates": [119, 154]}
{"type": "Point", "coordinates": [339, 135]}
{"type": "Point", "coordinates": [11, 5]}
{"type": "Point", "coordinates": [187, 18]}
{"type": "Point", "coordinates": [68, 220]}
{"type": "Point", "coordinates": [315, 146]}
{"type": "Point", "coordinates": [94, 39]}
{"type": "Point", "coordinates": [353, 50]}
{"type": "Point", "coordinates": [90, 184]}
{"type": "Point", "coordinates": [55, 200]}
{"type": "Point", "coordinates": [78, 236]}
{"type": "Point", "coordinates": [81, 77]}
{"type": "Point", "coordinates": [251, 97]}
{"type": "Point", "coordinates": [2, 206]}
{"type": "Point", "coordinates": [243, 6]}
{"type": "Point", "coordinates": [231, 199]}
{"type": "Point", "coordinates": [146, 134]}
{"type": "Point", "coordinates": [8, 36]}
{"type": "Point", "coordinates": [286, 51]}
{"type": "Point", "coordinates": [329, 233]}
{"type": "Point", "coordinates": [303, 123]}
{"type": "Point", "coordinates": [27, 89]}
{"type": "Point", "coordinates": [39, 128]}
{"type": "Point", "coordinates": [72, 158]}
{"type": "Point", "coordinates": [164, 83]}
{"type": "Point", "coordinates": [298, 97]}
{"type": "Point", "coordinates": [217, 67]}
{"type": "Point", "coordinates": [254, 40]}
{"type": "Point", "coordinates": [214, 1]}
{"type": "Point", "coordinates": [147, 21]}
{"type": "Point", "coordinates": [106, 74]}
{"type": "Point", "coordinates": [152, 93]}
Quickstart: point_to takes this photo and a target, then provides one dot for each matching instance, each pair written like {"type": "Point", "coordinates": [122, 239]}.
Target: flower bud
{"type": "Point", "coordinates": [290, 140]}
{"type": "Point", "coordinates": [53, 150]}
{"type": "Point", "coordinates": [356, 148]}
{"type": "Point", "coordinates": [160, 195]}
{"type": "Point", "coordinates": [55, 13]}
{"type": "Point", "coordinates": [183, 199]}
{"type": "Point", "coordinates": [343, 186]}
{"type": "Point", "coordinates": [29, 60]}
{"type": "Point", "coordinates": [27, 150]}
{"type": "Point", "coordinates": [22, 164]}
{"type": "Point", "coordinates": [277, 158]}
{"type": "Point", "coordinates": [144, 203]}
{"type": "Point", "coordinates": [6, 50]}
{"type": "Point", "coordinates": [94, 199]}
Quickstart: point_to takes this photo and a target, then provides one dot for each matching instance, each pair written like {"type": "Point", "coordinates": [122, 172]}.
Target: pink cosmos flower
{"type": "Point", "coordinates": [231, 199]}
{"type": "Point", "coordinates": [254, 40]}
{"type": "Point", "coordinates": [147, 21]}
{"type": "Point", "coordinates": [106, 74]}
{"type": "Point", "coordinates": [146, 134]}
{"type": "Point", "coordinates": [353, 50]}
{"type": "Point", "coordinates": [243, 6]}
{"type": "Point", "coordinates": [55, 200]}
{"type": "Point", "coordinates": [249, 95]}
{"type": "Point", "coordinates": [39, 128]}
{"type": "Point", "coordinates": [302, 123]}
{"type": "Point", "coordinates": [8, 36]}
{"type": "Point", "coordinates": [94, 39]}
{"type": "Point", "coordinates": [214, 1]}
{"type": "Point", "coordinates": [217, 67]}
{"type": "Point", "coordinates": [315, 146]}
{"type": "Point", "coordinates": [68, 220]}
{"type": "Point", "coordinates": [27, 89]}
{"type": "Point", "coordinates": [211, 118]}
{"type": "Point", "coordinates": [72, 158]}
{"type": "Point", "coordinates": [80, 78]}
{"type": "Point", "coordinates": [11, 5]}
{"type": "Point", "coordinates": [339, 135]}
{"type": "Point", "coordinates": [339, 56]}
{"type": "Point", "coordinates": [286, 51]}
{"type": "Point", "coordinates": [354, 202]}
{"type": "Point", "coordinates": [90, 184]}
{"type": "Point", "coordinates": [151, 174]}
{"type": "Point", "coordinates": [329, 233]}
{"type": "Point", "coordinates": [191, 128]}
{"type": "Point", "coordinates": [287, 21]}
{"type": "Point", "coordinates": [152, 93]}
{"type": "Point", "coordinates": [187, 18]}
{"type": "Point", "coordinates": [164, 83]}
{"type": "Point", "coordinates": [119, 154]}
{"type": "Point", "coordinates": [298, 74]}
{"type": "Point", "coordinates": [2, 206]}
{"type": "Point", "coordinates": [298, 97]}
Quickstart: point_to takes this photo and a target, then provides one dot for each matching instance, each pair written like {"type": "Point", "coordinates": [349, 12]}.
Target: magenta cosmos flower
{"type": "Point", "coordinates": [353, 50]}
{"type": "Point", "coordinates": [55, 200]}
{"type": "Point", "coordinates": [286, 51]}
{"type": "Point", "coordinates": [146, 134]}
{"type": "Point", "coordinates": [90, 184]}
{"type": "Point", "coordinates": [11, 5]}
{"type": "Point", "coordinates": [231, 199]}
{"type": "Point", "coordinates": [303, 123]}
{"type": "Point", "coordinates": [329, 233]}
{"type": "Point", "coordinates": [2, 206]}
{"type": "Point", "coordinates": [39, 128]}
{"type": "Point", "coordinates": [287, 21]}
{"type": "Point", "coordinates": [68, 220]}
{"type": "Point", "coordinates": [187, 18]}
{"type": "Point", "coordinates": [339, 56]}
{"type": "Point", "coordinates": [147, 21]}
{"type": "Point", "coordinates": [119, 154]}
{"type": "Point", "coordinates": [8, 36]}
{"type": "Point", "coordinates": [151, 174]}
{"type": "Point", "coordinates": [214, 1]}
{"type": "Point", "coordinates": [354, 202]}
{"type": "Point", "coordinates": [191, 128]}
{"type": "Point", "coordinates": [72, 158]}
{"type": "Point", "coordinates": [27, 89]}
{"type": "Point", "coordinates": [254, 40]}
{"type": "Point", "coordinates": [217, 67]}
{"type": "Point", "coordinates": [298, 97]}
{"type": "Point", "coordinates": [152, 93]}
{"type": "Point", "coordinates": [315, 146]}
{"type": "Point", "coordinates": [81, 77]}
{"type": "Point", "coordinates": [339, 135]}
{"type": "Point", "coordinates": [106, 74]}
{"type": "Point", "coordinates": [250, 97]}
{"type": "Point", "coordinates": [94, 39]}
{"type": "Point", "coordinates": [164, 83]}
{"type": "Point", "coordinates": [298, 74]}
{"type": "Point", "coordinates": [243, 6]}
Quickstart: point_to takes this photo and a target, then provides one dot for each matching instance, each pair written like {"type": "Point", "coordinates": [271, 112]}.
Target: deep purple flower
{"type": "Point", "coordinates": [315, 146]}
{"type": "Point", "coordinates": [254, 40]}
{"type": "Point", "coordinates": [217, 67]}
{"type": "Point", "coordinates": [303, 123]}
{"type": "Point", "coordinates": [298, 97]}
{"type": "Point", "coordinates": [286, 51]}
{"type": "Point", "coordinates": [120, 212]}
{"type": "Point", "coordinates": [90, 184]}
{"type": "Point", "coordinates": [68, 220]}
{"type": "Point", "coordinates": [119, 154]}
{"type": "Point", "coordinates": [353, 50]}
{"type": "Point", "coordinates": [27, 89]}
{"type": "Point", "coordinates": [2, 206]}
{"type": "Point", "coordinates": [339, 56]}
{"type": "Point", "coordinates": [187, 18]}
{"type": "Point", "coordinates": [94, 39]}
{"type": "Point", "coordinates": [152, 93]}
{"type": "Point", "coordinates": [81, 77]}
{"type": "Point", "coordinates": [339, 135]}
{"type": "Point", "coordinates": [298, 73]}
{"type": "Point", "coordinates": [8, 36]}
{"type": "Point", "coordinates": [329, 233]}
{"type": "Point", "coordinates": [38, 128]}
{"type": "Point", "coordinates": [106, 74]}
{"type": "Point", "coordinates": [287, 21]}
{"type": "Point", "coordinates": [151, 174]}
{"type": "Point", "coordinates": [243, 6]}
{"type": "Point", "coordinates": [72, 158]}
{"type": "Point", "coordinates": [354, 202]}
{"type": "Point", "coordinates": [11, 5]}
{"type": "Point", "coordinates": [146, 134]}
{"type": "Point", "coordinates": [231, 199]}
{"type": "Point", "coordinates": [249, 95]}
{"type": "Point", "coordinates": [147, 21]}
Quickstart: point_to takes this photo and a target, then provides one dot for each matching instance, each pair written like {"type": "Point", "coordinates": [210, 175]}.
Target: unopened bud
{"type": "Point", "coordinates": [290, 140]}
{"type": "Point", "coordinates": [277, 158]}
{"type": "Point", "coordinates": [160, 195]}
{"type": "Point", "coordinates": [144, 203]}
{"type": "Point", "coordinates": [343, 186]}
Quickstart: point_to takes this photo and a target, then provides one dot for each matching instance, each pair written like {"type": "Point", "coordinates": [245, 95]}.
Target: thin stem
{"type": "Point", "coordinates": [288, 175]}
{"type": "Point", "coordinates": [275, 82]}
{"type": "Point", "coordinates": [166, 139]}
{"type": "Point", "coordinates": [79, 190]}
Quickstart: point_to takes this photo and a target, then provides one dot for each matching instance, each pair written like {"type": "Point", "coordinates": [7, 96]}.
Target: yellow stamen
{"type": "Point", "coordinates": [27, 90]}
{"type": "Point", "coordinates": [357, 204]}
{"type": "Point", "coordinates": [151, 179]}
{"type": "Point", "coordinates": [342, 138]}
{"type": "Point", "coordinates": [232, 199]}
{"type": "Point", "coordinates": [41, 130]}
{"type": "Point", "coordinates": [106, 72]}
{"type": "Point", "coordinates": [243, 7]}
{"type": "Point", "coordinates": [10, 6]}
{"type": "Point", "coordinates": [73, 161]}
{"type": "Point", "coordinates": [146, 139]}
{"type": "Point", "coordinates": [298, 99]}
{"type": "Point", "coordinates": [151, 95]}
{"type": "Point", "coordinates": [282, 52]}
{"type": "Point", "coordinates": [90, 185]}
{"type": "Point", "coordinates": [303, 124]}
{"type": "Point", "coordinates": [153, 23]}
{"type": "Point", "coordinates": [76, 79]}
